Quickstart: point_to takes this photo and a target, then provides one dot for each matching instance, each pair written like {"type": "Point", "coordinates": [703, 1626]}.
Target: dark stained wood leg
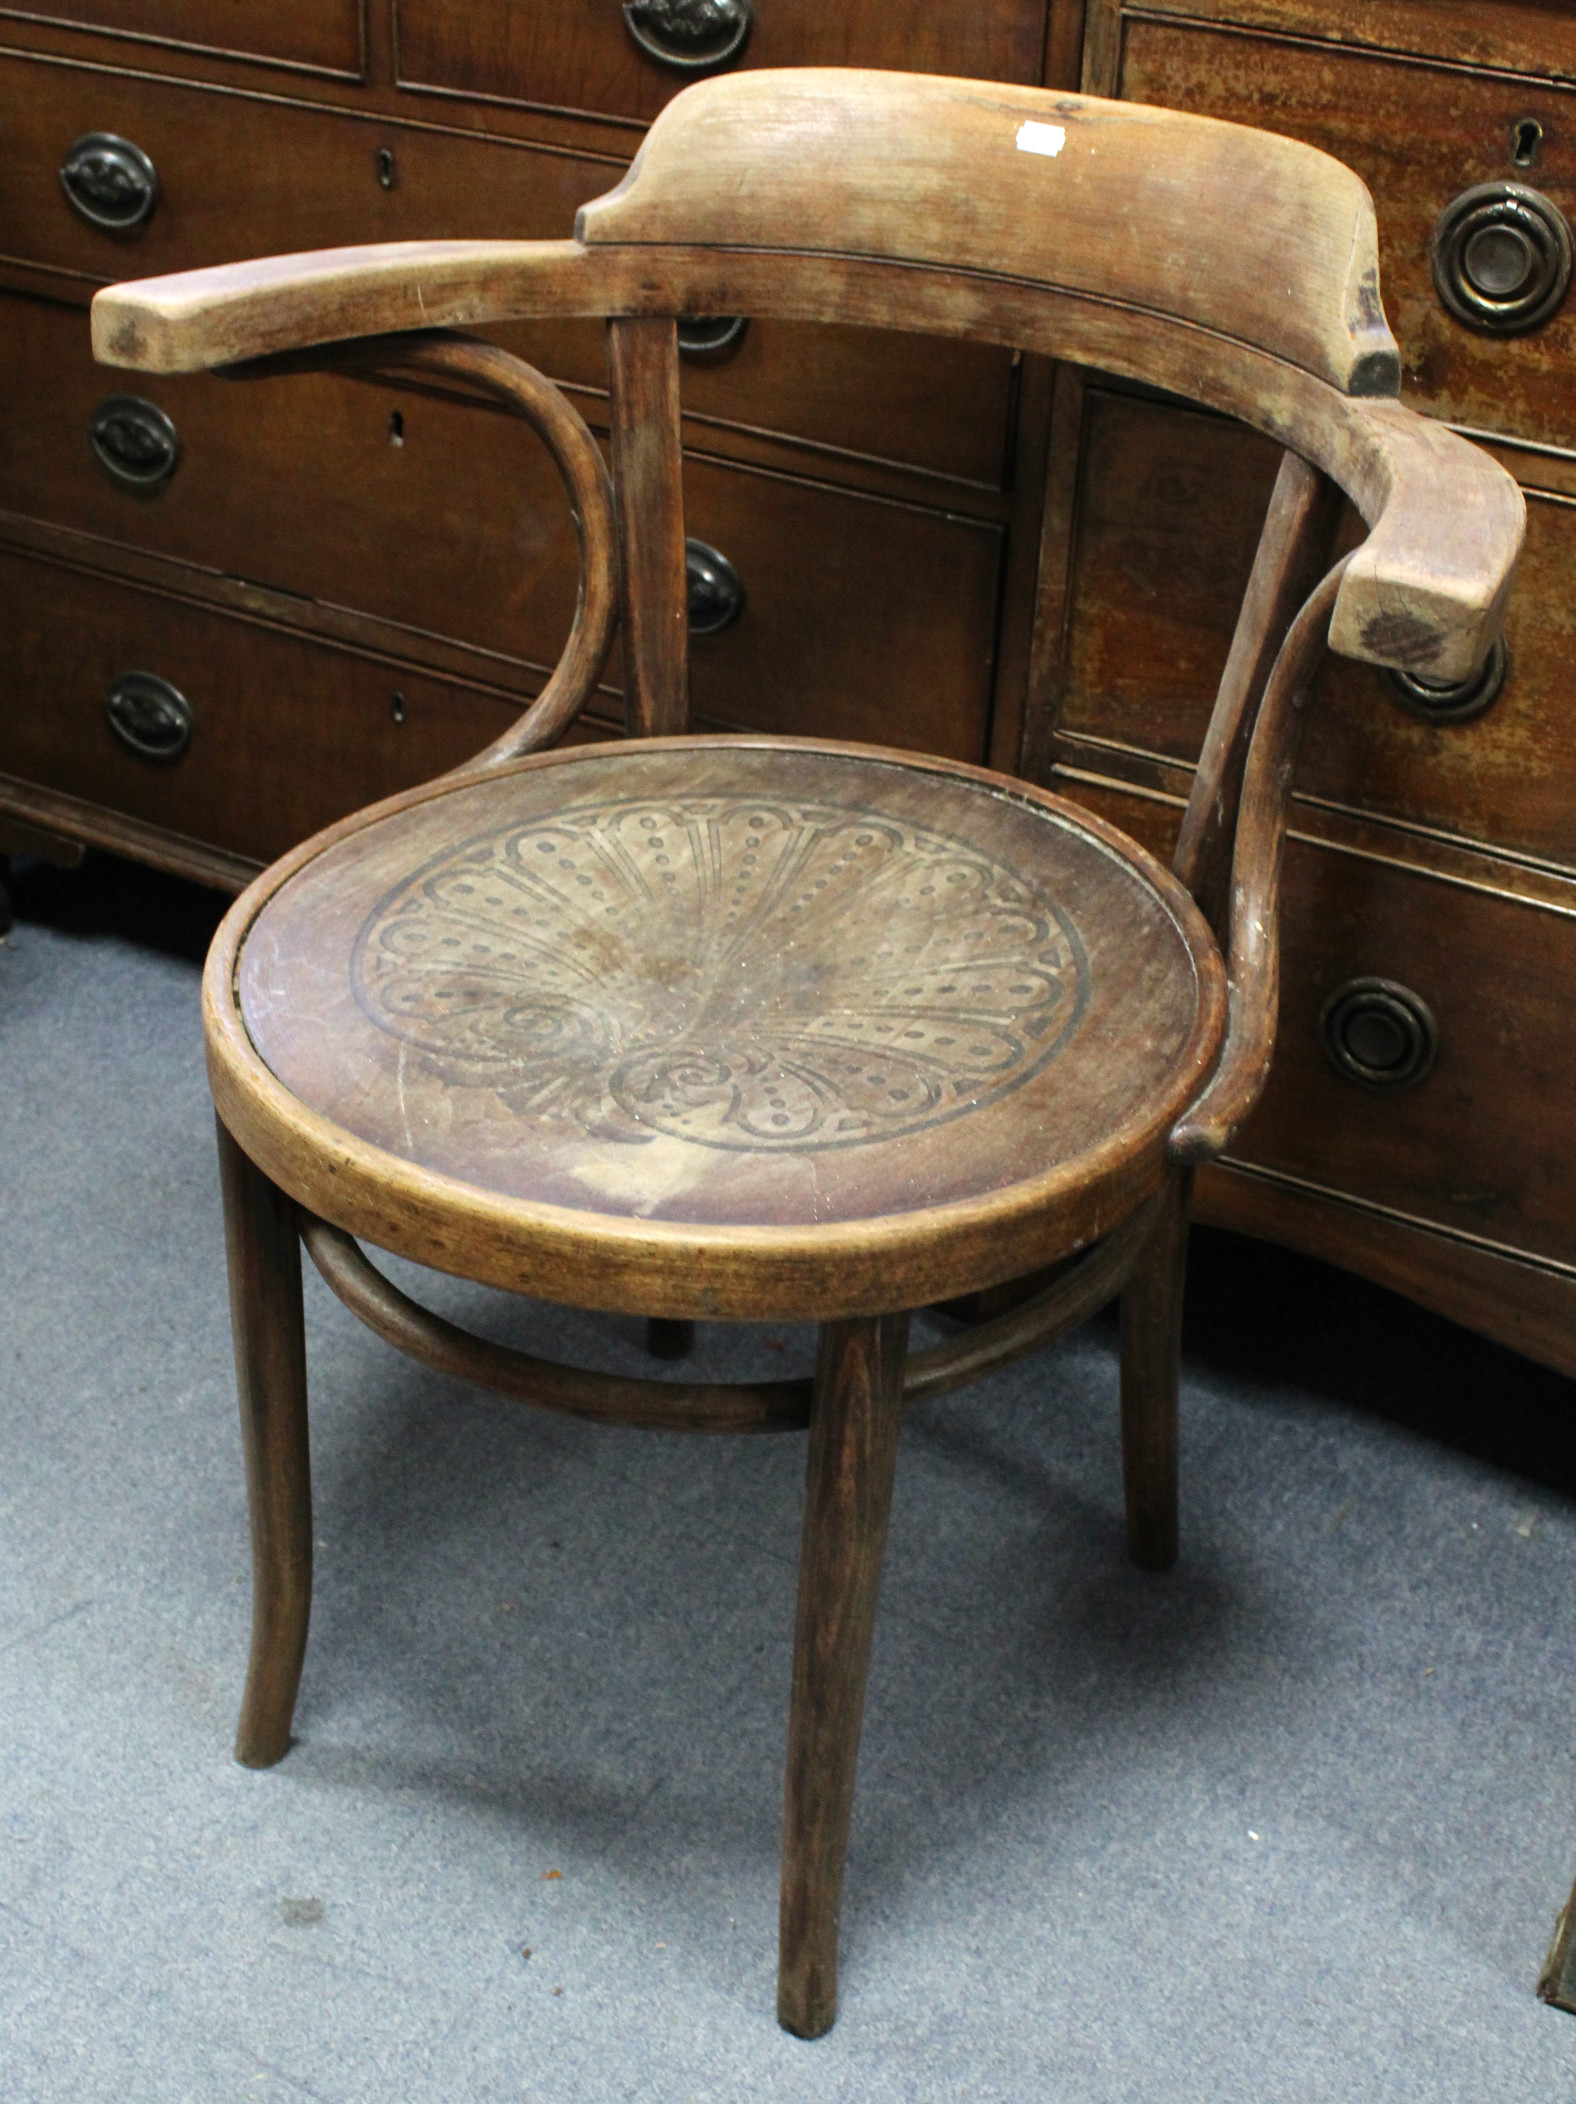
{"type": "Point", "coordinates": [270, 1373]}
{"type": "Point", "coordinates": [848, 1494]}
{"type": "Point", "coordinates": [1151, 1363]}
{"type": "Point", "coordinates": [667, 1339]}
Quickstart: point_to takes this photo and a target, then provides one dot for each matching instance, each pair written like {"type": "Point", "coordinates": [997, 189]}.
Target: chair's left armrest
{"type": "Point", "coordinates": [238, 311]}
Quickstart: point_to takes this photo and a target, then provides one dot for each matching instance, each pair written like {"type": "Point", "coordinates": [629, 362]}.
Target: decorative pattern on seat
{"type": "Point", "coordinates": [745, 974]}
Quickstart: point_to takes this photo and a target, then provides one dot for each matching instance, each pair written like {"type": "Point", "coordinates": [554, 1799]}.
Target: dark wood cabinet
{"type": "Point", "coordinates": [351, 585]}
{"type": "Point", "coordinates": [1434, 844]}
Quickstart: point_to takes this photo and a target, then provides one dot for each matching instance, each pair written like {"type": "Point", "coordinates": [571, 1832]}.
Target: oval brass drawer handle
{"type": "Point", "coordinates": [690, 35]}
{"type": "Point", "coordinates": [134, 442]}
{"type": "Point", "coordinates": [1502, 257]}
{"type": "Point", "coordinates": [1447, 701]}
{"type": "Point", "coordinates": [110, 182]}
{"type": "Point", "coordinates": [714, 589]}
{"type": "Point", "coordinates": [1379, 1033]}
{"type": "Point", "coordinates": [149, 716]}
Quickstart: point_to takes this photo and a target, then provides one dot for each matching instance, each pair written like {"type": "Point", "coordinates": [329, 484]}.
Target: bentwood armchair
{"type": "Point", "coordinates": [754, 1028]}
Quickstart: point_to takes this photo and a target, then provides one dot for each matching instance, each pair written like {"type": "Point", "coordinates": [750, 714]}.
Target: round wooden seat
{"type": "Point", "coordinates": [733, 1027]}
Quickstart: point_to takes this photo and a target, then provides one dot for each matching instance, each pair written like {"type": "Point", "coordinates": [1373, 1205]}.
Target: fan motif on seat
{"type": "Point", "coordinates": [744, 974]}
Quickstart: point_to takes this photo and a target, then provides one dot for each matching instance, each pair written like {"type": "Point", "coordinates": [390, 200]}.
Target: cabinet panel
{"type": "Point", "coordinates": [862, 617]}
{"type": "Point", "coordinates": [1519, 36]}
{"type": "Point", "coordinates": [1472, 1147]}
{"type": "Point", "coordinates": [580, 55]}
{"type": "Point", "coordinates": [444, 517]}
{"type": "Point", "coordinates": [872, 396]}
{"type": "Point", "coordinates": [324, 35]}
{"type": "Point", "coordinates": [1170, 509]}
{"type": "Point", "coordinates": [286, 734]}
{"type": "Point", "coordinates": [239, 176]}
{"type": "Point", "coordinates": [1419, 136]}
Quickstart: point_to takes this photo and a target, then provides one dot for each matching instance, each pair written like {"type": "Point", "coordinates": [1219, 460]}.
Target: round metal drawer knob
{"type": "Point", "coordinates": [1502, 257]}
{"type": "Point", "coordinates": [714, 588]}
{"type": "Point", "coordinates": [1447, 701]}
{"type": "Point", "coordinates": [134, 442]}
{"type": "Point", "coordinates": [110, 182]}
{"type": "Point", "coordinates": [1379, 1033]}
{"type": "Point", "coordinates": [690, 35]}
{"type": "Point", "coordinates": [149, 716]}
{"type": "Point", "coordinates": [710, 336]}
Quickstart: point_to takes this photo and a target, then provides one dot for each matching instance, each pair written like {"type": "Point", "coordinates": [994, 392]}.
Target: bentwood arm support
{"type": "Point", "coordinates": [368, 309]}
{"type": "Point", "coordinates": [1430, 598]}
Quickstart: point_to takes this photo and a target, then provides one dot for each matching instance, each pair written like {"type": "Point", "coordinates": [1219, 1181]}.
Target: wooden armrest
{"type": "Point", "coordinates": [1426, 590]}
{"type": "Point", "coordinates": [203, 318]}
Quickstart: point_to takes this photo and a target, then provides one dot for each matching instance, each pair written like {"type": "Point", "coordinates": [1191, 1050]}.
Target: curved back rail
{"type": "Point", "coordinates": [1231, 266]}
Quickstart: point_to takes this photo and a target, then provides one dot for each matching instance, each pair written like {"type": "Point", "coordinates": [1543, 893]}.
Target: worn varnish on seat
{"type": "Point", "coordinates": [761, 1027]}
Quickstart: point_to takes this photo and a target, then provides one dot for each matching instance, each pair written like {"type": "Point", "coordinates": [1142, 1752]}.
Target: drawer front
{"type": "Point", "coordinates": [1514, 36]}
{"type": "Point", "coordinates": [583, 56]}
{"type": "Point", "coordinates": [862, 617]}
{"type": "Point", "coordinates": [1484, 1143]}
{"type": "Point", "coordinates": [323, 35]}
{"type": "Point", "coordinates": [1420, 136]}
{"type": "Point", "coordinates": [285, 735]}
{"type": "Point", "coordinates": [1170, 509]}
{"type": "Point", "coordinates": [446, 518]}
{"type": "Point", "coordinates": [238, 176]}
{"type": "Point", "coordinates": [876, 397]}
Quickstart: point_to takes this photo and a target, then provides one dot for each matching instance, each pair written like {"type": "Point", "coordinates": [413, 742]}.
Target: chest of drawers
{"type": "Point", "coordinates": [341, 584]}
{"type": "Point", "coordinates": [1419, 1122]}
{"type": "Point", "coordinates": [346, 587]}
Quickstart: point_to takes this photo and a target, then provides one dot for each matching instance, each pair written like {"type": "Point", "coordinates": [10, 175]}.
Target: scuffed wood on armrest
{"type": "Point", "coordinates": [205, 318]}
{"type": "Point", "coordinates": [1426, 590]}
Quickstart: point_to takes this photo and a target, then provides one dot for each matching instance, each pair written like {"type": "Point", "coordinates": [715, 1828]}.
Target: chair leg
{"type": "Point", "coordinates": [854, 1423]}
{"type": "Point", "coordinates": [270, 1373]}
{"type": "Point", "coordinates": [1151, 1363]}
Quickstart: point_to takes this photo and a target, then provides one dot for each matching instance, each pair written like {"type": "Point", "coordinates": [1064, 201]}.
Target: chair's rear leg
{"type": "Point", "coordinates": [1151, 1363]}
{"type": "Point", "coordinates": [270, 1372]}
{"type": "Point", "coordinates": [854, 1423]}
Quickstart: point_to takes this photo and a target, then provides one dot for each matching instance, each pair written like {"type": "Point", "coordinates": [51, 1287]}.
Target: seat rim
{"type": "Point", "coordinates": [619, 1263]}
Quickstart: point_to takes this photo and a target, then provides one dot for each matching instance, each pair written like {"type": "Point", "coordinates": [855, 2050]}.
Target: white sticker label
{"type": "Point", "coordinates": [1041, 138]}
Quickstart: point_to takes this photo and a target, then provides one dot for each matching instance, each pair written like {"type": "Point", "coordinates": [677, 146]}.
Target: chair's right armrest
{"type": "Point", "coordinates": [238, 311]}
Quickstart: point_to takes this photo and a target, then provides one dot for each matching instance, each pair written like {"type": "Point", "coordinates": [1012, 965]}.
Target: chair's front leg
{"type": "Point", "coordinates": [1151, 1365]}
{"type": "Point", "coordinates": [270, 1372]}
{"type": "Point", "coordinates": [854, 1423]}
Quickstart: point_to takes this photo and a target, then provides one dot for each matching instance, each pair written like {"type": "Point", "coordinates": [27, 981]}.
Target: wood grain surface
{"type": "Point", "coordinates": [849, 1470]}
{"type": "Point", "coordinates": [717, 1100]}
{"type": "Point", "coordinates": [833, 240]}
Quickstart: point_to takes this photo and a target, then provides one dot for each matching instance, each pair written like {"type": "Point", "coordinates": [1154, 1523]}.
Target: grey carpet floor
{"type": "Point", "coordinates": [1290, 1823]}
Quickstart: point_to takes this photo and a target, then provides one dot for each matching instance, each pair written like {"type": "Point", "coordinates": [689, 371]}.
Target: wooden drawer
{"type": "Point", "coordinates": [286, 736]}
{"type": "Point", "coordinates": [1169, 515]}
{"type": "Point", "coordinates": [245, 176]}
{"type": "Point", "coordinates": [239, 176]}
{"type": "Point", "coordinates": [1472, 1147]}
{"type": "Point", "coordinates": [870, 398]}
{"type": "Point", "coordinates": [580, 54]}
{"type": "Point", "coordinates": [1419, 135]}
{"type": "Point", "coordinates": [323, 36]}
{"type": "Point", "coordinates": [459, 530]}
{"type": "Point", "coordinates": [863, 617]}
{"type": "Point", "coordinates": [1511, 36]}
